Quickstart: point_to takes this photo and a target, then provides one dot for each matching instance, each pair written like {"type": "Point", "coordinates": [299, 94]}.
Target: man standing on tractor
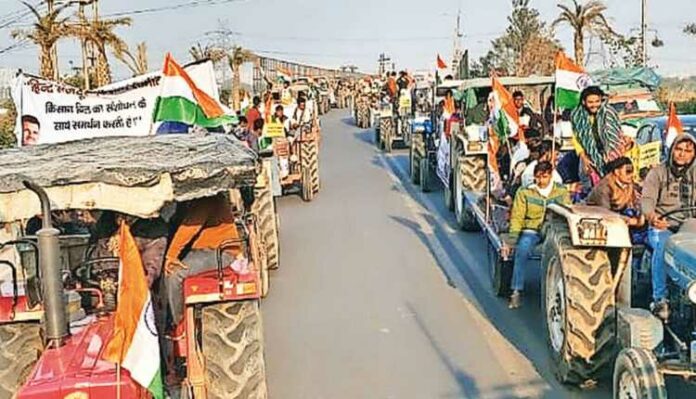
{"type": "Point", "coordinates": [667, 188]}
{"type": "Point", "coordinates": [286, 95]}
{"type": "Point", "coordinates": [254, 113]}
{"type": "Point", "coordinates": [528, 119]}
{"type": "Point", "coordinates": [302, 116]}
{"type": "Point", "coordinates": [527, 216]}
{"type": "Point", "coordinates": [598, 136]}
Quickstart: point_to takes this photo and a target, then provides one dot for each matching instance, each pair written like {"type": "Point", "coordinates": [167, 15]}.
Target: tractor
{"type": "Point", "coordinates": [423, 143]}
{"type": "Point", "coordinates": [57, 304]}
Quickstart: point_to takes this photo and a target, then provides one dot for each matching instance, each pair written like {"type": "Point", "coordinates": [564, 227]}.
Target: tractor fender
{"type": "Point", "coordinates": [638, 328]}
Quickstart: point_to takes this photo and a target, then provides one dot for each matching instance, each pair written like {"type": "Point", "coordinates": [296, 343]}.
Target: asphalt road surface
{"type": "Point", "coordinates": [379, 296]}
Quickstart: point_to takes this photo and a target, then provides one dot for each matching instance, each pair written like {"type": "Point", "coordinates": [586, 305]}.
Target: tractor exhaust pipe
{"type": "Point", "coordinates": [51, 273]}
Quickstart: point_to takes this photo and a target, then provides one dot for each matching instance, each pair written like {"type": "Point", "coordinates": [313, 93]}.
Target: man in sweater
{"type": "Point", "coordinates": [528, 212]}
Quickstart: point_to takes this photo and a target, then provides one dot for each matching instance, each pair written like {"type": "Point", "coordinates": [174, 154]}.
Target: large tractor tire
{"type": "Point", "coordinates": [232, 342]}
{"type": "Point", "coordinates": [310, 170]}
{"type": "Point", "coordinates": [579, 308]}
{"type": "Point", "coordinates": [414, 157]}
{"type": "Point", "coordinates": [386, 127]}
{"type": "Point", "coordinates": [636, 376]}
{"type": "Point", "coordinates": [465, 179]}
{"type": "Point", "coordinates": [265, 210]}
{"type": "Point", "coordinates": [20, 347]}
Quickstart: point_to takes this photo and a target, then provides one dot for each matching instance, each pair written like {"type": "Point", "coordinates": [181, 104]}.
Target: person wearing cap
{"type": "Point", "coordinates": [597, 133]}
{"type": "Point", "coordinates": [668, 187]}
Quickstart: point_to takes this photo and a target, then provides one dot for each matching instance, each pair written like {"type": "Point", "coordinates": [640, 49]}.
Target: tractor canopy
{"type": "Point", "coordinates": [132, 175]}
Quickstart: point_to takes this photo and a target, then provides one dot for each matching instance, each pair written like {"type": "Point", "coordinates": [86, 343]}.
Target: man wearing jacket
{"type": "Point", "coordinates": [667, 188]}
{"type": "Point", "coordinates": [528, 212]}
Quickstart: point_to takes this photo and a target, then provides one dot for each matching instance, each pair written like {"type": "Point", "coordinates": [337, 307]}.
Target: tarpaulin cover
{"type": "Point", "coordinates": [645, 77]}
{"type": "Point", "coordinates": [134, 175]}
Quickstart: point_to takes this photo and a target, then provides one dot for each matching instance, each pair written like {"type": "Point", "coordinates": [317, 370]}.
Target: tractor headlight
{"type": "Point", "coordinates": [691, 291]}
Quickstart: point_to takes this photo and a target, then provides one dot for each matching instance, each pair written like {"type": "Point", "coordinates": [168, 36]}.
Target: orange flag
{"type": "Point", "coordinates": [674, 125]}
{"type": "Point", "coordinates": [440, 63]}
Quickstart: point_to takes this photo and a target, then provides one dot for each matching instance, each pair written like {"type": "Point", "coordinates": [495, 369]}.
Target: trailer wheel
{"type": "Point", "coordinates": [425, 175]}
{"type": "Point", "coordinates": [579, 310]}
{"type": "Point", "coordinates": [20, 347]}
{"type": "Point", "coordinates": [500, 272]}
{"type": "Point", "coordinates": [385, 127]}
{"type": "Point", "coordinates": [232, 342]}
{"type": "Point", "coordinates": [449, 198]}
{"type": "Point", "coordinates": [465, 218]}
{"type": "Point", "coordinates": [636, 376]}
{"type": "Point", "coordinates": [414, 159]}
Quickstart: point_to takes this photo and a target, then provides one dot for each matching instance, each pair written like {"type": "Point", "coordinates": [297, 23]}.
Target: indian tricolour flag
{"type": "Point", "coordinates": [504, 110]}
{"type": "Point", "coordinates": [283, 74]}
{"type": "Point", "coordinates": [571, 80]}
{"type": "Point", "coordinates": [674, 126]}
{"type": "Point", "coordinates": [134, 343]}
{"type": "Point", "coordinates": [182, 101]}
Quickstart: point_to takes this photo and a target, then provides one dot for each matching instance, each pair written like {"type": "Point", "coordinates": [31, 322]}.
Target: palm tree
{"type": "Point", "coordinates": [47, 29]}
{"type": "Point", "coordinates": [101, 34]}
{"type": "Point", "coordinates": [136, 63]}
{"type": "Point", "coordinates": [199, 53]}
{"type": "Point", "coordinates": [236, 58]}
{"type": "Point", "coordinates": [585, 19]}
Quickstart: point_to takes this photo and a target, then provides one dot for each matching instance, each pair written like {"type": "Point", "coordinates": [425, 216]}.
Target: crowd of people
{"type": "Point", "coordinates": [601, 172]}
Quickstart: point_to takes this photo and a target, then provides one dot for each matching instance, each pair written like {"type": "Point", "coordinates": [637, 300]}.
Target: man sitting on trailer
{"type": "Point", "coordinates": [527, 216]}
{"type": "Point", "coordinates": [528, 119]}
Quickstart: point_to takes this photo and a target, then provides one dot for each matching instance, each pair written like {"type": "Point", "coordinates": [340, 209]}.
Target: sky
{"type": "Point", "coordinates": [337, 32]}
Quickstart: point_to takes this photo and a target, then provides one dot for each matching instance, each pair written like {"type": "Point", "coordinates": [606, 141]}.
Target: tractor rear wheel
{"type": "Point", "coordinates": [310, 170]}
{"type": "Point", "coordinates": [579, 308]}
{"type": "Point", "coordinates": [464, 216]}
{"type": "Point", "coordinates": [265, 209]}
{"type": "Point", "coordinates": [20, 347]}
{"type": "Point", "coordinates": [232, 342]}
{"type": "Point", "coordinates": [636, 376]}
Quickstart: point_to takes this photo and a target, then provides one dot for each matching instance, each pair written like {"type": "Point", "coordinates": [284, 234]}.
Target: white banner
{"type": "Point", "coordinates": [51, 112]}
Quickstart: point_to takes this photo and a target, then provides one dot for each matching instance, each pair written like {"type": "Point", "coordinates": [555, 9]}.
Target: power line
{"type": "Point", "coordinates": [189, 4]}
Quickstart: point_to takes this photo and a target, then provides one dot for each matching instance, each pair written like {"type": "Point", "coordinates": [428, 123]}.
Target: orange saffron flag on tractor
{"type": "Point", "coordinates": [135, 343]}
{"type": "Point", "coordinates": [440, 63]}
{"type": "Point", "coordinates": [674, 126]}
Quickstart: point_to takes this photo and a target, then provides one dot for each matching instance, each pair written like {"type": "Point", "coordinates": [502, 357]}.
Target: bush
{"type": "Point", "coordinates": [7, 124]}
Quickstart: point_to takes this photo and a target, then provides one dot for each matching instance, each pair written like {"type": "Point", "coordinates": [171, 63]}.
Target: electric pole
{"type": "Point", "coordinates": [457, 48]}
{"type": "Point", "coordinates": [644, 32]}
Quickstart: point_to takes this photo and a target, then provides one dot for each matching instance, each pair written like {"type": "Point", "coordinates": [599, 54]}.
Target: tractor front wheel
{"type": "Point", "coordinates": [636, 376]}
{"type": "Point", "coordinates": [232, 341]}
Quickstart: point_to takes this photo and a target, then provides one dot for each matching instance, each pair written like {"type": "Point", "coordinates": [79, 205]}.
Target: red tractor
{"type": "Point", "coordinates": [53, 349]}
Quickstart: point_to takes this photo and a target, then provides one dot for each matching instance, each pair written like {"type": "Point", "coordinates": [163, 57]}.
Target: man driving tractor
{"type": "Point", "coordinates": [668, 188]}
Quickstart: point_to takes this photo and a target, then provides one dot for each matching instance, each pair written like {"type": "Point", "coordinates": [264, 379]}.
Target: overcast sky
{"type": "Point", "coordinates": [335, 32]}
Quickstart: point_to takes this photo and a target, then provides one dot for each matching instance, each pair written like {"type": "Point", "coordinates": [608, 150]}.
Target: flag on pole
{"type": "Point", "coordinates": [181, 101]}
{"type": "Point", "coordinates": [283, 74]}
{"type": "Point", "coordinates": [440, 63]}
{"type": "Point", "coordinates": [134, 343]}
{"type": "Point", "coordinates": [504, 111]}
{"type": "Point", "coordinates": [571, 80]}
{"type": "Point", "coordinates": [674, 126]}
{"type": "Point", "coordinates": [493, 146]}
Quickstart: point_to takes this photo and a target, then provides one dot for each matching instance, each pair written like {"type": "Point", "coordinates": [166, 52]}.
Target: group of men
{"type": "Point", "coordinates": [604, 167]}
{"type": "Point", "coordinates": [258, 115]}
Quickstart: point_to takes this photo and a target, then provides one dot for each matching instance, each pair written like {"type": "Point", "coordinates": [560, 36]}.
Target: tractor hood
{"type": "Point", "coordinates": [77, 370]}
{"type": "Point", "coordinates": [680, 255]}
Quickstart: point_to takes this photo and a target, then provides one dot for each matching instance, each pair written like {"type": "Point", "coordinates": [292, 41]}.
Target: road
{"type": "Point", "coordinates": [379, 296]}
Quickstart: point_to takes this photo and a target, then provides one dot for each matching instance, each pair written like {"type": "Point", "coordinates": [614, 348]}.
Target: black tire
{"type": "Point", "coordinates": [579, 308]}
{"type": "Point", "coordinates": [232, 342]}
{"type": "Point", "coordinates": [464, 216]}
{"type": "Point", "coordinates": [385, 129]}
{"type": "Point", "coordinates": [500, 272]}
{"type": "Point", "coordinates": [415, 156]}
{"type": "Point", "coordinates": [265, 209]}
{"type": "Point", "coordinates": [448, 197]}
{"type": "Point", "coordinates": [20, 347]}
{"type": "Point", "coordinates": [310, 170]}
{"type": "Point", "coordinates": [636, 376]}
{"type": "Point", "coordinates": [424, 175]}
{"type": "Point", "coordinates": [473, 172]}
